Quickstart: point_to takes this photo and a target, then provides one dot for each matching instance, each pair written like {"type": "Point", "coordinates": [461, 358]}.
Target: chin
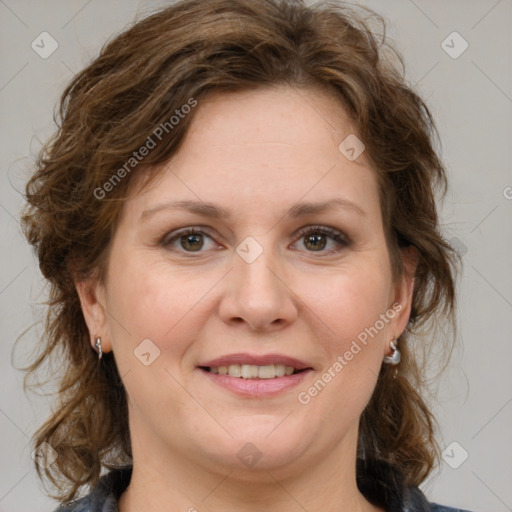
{"type": "Point", "coordinates": [259, 446]}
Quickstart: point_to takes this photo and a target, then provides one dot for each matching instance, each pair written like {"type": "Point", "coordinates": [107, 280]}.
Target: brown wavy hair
{"type": "Point", "coordinates": [138, 81]}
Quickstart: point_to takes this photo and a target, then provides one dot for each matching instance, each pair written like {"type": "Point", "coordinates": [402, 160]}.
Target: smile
{"type": "Point", "coordinates": [252, 371]}
{"type": "Point", "coordinates": [270, 384]}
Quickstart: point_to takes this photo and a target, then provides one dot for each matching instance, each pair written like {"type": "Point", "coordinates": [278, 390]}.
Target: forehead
{"type": "Point", "coordinates": [280, 119]}
{"type": "Point", "coordinates": [261, 146]}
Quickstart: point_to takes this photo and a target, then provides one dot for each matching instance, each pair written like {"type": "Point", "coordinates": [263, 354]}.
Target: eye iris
{"type": "Point", "coordinates": [195, 242]}
{"type": "Point", "coordinates": [192, 242]}
{"type": "Point", "coordinates": [317, 241]}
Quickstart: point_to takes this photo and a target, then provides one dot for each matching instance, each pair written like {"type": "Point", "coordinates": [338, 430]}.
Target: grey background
{"type": "Point", "coordinates": [471, 99]}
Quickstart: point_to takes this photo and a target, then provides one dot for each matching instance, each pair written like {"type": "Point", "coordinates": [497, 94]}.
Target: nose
{"type": "Point", "coordinates": [257, 294]}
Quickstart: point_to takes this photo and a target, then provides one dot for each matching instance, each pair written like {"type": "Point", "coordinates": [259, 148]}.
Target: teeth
{"type": "Point", "coordinates": [251, 371]}
{"type": "Point", "coordinates": [266, 372]}
{"type": "Point", "coordinates": [280, 370]}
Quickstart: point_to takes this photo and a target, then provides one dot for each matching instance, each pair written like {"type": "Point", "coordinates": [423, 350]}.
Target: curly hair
{"type": "Point", "coordinates": [108, 111]}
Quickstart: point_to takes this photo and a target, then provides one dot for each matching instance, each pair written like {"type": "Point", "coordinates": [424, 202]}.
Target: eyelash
{"type": "Point", "coordinates": [334, 234]}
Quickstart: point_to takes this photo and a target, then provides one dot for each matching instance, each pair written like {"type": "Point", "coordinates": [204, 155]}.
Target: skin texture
{"type": "Point", "coordinates": [257, 154]}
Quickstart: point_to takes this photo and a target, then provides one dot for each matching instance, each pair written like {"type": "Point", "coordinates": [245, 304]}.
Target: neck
{"type": "Point", "coordinates": [179, 481]}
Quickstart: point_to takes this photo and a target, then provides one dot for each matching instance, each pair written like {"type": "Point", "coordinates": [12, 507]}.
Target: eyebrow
{"type": "Point", "coordinates": [218, 212]}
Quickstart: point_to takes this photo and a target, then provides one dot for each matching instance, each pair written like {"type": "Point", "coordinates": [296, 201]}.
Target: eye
{"type": "Point", "coordinates": [316, 239]}
{"type": "Point", "coordinates": [187, 239]}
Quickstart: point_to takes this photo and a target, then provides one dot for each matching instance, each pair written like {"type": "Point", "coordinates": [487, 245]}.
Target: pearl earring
{"type": "Point", "coordinates": [98, 347]}
{"type": "Point", "coordinates": [395, 357]}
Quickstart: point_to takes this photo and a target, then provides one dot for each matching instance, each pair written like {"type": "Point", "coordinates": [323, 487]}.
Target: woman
{"type": "Point", "coordinates": [237, 219]}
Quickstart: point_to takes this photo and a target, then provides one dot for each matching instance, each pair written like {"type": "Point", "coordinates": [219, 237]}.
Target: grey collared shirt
{"type": "Point", "coordinates": [105, 495]}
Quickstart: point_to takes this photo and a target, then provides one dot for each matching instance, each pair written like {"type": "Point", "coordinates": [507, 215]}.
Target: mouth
{"type": "Point", "coordinates": [252, 371]}
{"type": "Point", "coordinates": [253, 376]}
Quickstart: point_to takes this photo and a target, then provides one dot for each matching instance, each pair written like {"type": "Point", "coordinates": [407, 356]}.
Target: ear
{"type": "Point", "coordinates": [92, 300]}
{"type": "Point", "coordinates": [404, 288]}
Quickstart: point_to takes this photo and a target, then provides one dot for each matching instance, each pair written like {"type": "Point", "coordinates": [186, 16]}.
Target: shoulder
{"type": "Point", "coordinates": [416, 501]}
{"type": "Point", "coordinates": [434, 507]}
{"type": "Point", "coordinates": [104, 495]}
{"type": "Point", "coordinates": [384, 485]}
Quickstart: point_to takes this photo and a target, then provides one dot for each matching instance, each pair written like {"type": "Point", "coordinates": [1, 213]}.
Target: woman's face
{"type": "Point", "coordinates": [286, 265]}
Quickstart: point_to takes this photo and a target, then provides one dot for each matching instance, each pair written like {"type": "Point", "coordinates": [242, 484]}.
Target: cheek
{"type": "Point", "coordinates": [351, 302]}
{"type": "Point", "coordinates": [351, 306]}
{"type": "Point", "coordinates": [148, 301]}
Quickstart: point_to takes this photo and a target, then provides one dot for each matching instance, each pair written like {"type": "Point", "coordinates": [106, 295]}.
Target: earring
{"type": "Point", "coordinates": [395, 357]}
{"type": "Point", "coordinates": [98, 347]}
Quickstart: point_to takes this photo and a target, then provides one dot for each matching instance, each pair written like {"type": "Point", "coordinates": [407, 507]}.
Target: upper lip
{"type": "Point", "coordinates": [258, 360]}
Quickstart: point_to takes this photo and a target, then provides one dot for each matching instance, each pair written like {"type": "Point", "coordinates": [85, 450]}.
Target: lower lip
{"type": "Point", "coordinates": [257, 388]}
